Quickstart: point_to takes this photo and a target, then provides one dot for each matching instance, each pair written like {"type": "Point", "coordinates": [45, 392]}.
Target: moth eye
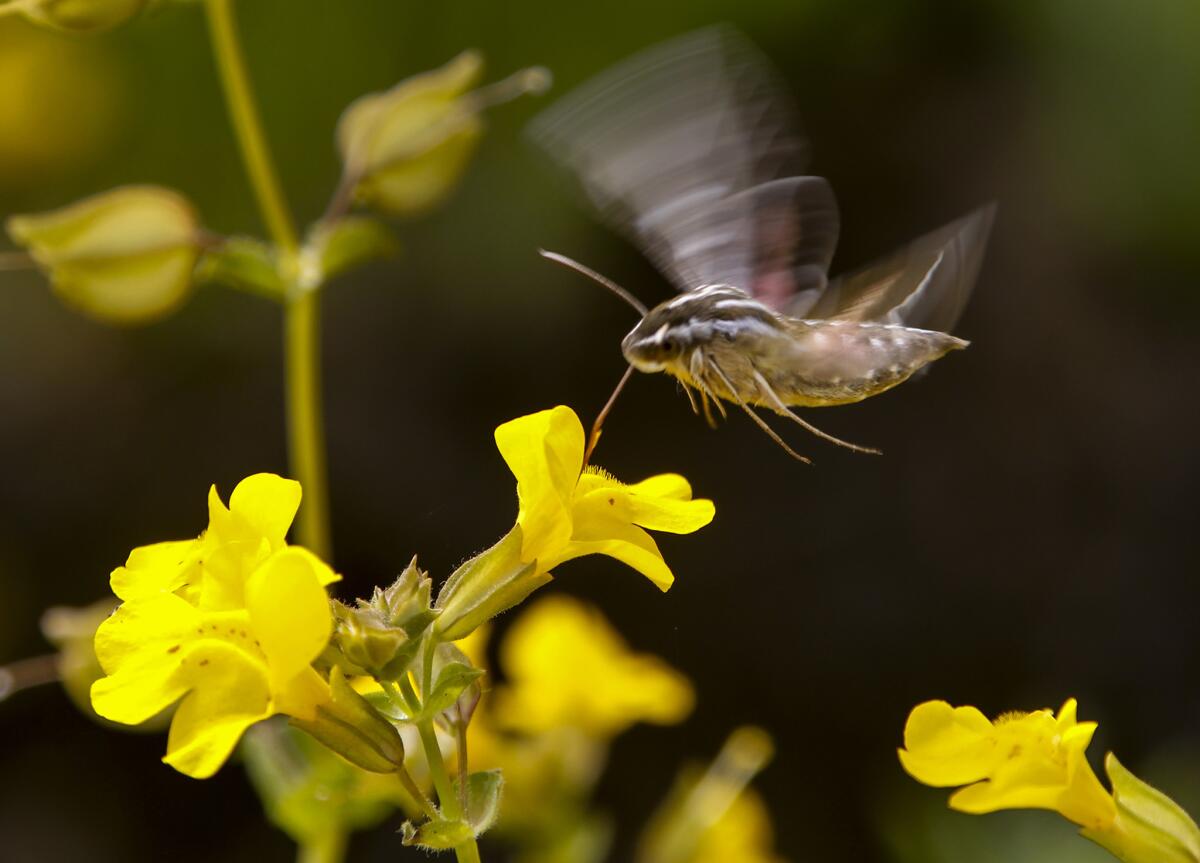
{"type": "Point", "coordinates": [668, 345]}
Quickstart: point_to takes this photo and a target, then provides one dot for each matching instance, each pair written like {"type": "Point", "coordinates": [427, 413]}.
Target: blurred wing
{"type": "Point", "coordinates": [926, 284]}
{"type": "Point", "coordinates": [673, 148]}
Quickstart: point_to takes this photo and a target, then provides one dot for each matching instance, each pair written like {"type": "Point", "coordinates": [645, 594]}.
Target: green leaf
{"type": "Point", "coordinates": [449, 685]}
{"type": "Point", "coordinates": [333, 248]}
{"type": "Point", "coordinates": [244, 264]}
{"type": "Point", "coordinates": [483, 799]}
{"type": "Point", "coordinates": [1150, 827]}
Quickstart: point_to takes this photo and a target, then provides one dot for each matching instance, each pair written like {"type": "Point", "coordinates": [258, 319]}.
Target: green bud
{"type": "Point", "coordinates": [1150, 827]}
{"type": "Point", "coordinates": [404, 149]}
{"type": "Point", "coordinates": [486, 585]}
{"type": "Point", "coordinates": [122, 256]}
{"type": "Point", "coordinates": [79, 16]}
{"type": "Point", "coordinates": [382, 635]}
{"type": "Point", "coordinates": [355, 730]}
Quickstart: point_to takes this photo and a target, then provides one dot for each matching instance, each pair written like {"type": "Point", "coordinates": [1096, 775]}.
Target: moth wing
{"type": "Point", "coordinates": [670, 146]}
{"type": "Point", "coordinates": [925, 284]}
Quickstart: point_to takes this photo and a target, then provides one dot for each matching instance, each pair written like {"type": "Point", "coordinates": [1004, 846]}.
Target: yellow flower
{"type": "Point", "coordinates": [567, 667]}
{"type": "Point", "coordinates": [1020, 761]}
{"type": "Point", "coordinates": [122, 256]}
{"type": "Point", "coordinates": [229, 623]}
{"type": "Point", "coordinates": [567, 510]}
{"type": "Point", "coordinates": [743, 834]}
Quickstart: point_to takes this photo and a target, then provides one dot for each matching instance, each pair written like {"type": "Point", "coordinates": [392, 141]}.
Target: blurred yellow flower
{"type": "Point", "coordinates": [566, 667]}
{"type": "Point", "coordinates": [81, 16]}
{"type": "Point", "coordinates": [1020, 761]}
{"type": "Point", "coordinates": [744, 834]}
{"type": "Point", "coordinates": [567, 510]}
{"type": "Point", "coordinates": [229, 623]}
{"type": "Point", "coordinates": [123, 256]}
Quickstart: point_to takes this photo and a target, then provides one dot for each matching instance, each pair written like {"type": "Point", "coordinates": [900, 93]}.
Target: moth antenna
{"type": "Point", "coordinates": [594, 437]}
{"type": "Point", "coordinates": [759, 421]}
{"type": "Point", "coordinates": [596, 277]}
{"type": "Point", "coordinates": [783, 410]}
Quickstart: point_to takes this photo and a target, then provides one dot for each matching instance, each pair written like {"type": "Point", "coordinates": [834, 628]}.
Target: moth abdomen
{"type": "Point", "coordinates": [838, 362]}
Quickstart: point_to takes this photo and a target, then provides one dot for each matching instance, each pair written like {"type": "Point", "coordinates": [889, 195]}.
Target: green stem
{"type": "Point", "coordinates": [239, 98]}
{"type": "Point", "coordinates": [452, 810]}
{"type": "Point", "coordinates": [306, 429]}
{"type": "Point", "coordinates": [329, 848]}
{"type": "Point", "coordinates": [301, 345]}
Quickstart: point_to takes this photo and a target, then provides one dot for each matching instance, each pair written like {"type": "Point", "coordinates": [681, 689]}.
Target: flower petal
{"type": "Point", "coordinates": [153, 569]}
{"type": "Point", "coordinates": [139, 648]}
{"type": "Point", "coordinates": [669, 513]}
{"type": "Point", "coordinates": [946, 746]}
{"type": "Point", "coordinates": [267, 502]}
{"type": "Point", "coordinates": [289, 612]}
{"type": "Point", "coordinates": [625, 542]}
{"type": "Point", "coordinates": [545, 453]}
{"type": "Point", "coordinates": [229, 693]}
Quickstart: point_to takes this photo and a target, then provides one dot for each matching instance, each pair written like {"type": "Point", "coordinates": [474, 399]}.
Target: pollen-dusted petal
{"type": "Point", "coordinates": [634, 505]}
{"type": "Point", "coordinates": [946, 746]}
{"type": "Point", "coordinates": [289, 612]}
{"type": "Point", "coordinates": [268, 503]}
{"type": "Point", "coordinates": [545, 453]}
{"type": "Point", "coordinates": [229, 693]}
{"type": "Point", "coordinates": [139, 648]}
{"type": "Point", "coordinates": [153, 569]}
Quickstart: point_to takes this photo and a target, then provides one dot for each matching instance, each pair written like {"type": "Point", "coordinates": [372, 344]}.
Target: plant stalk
{"type": "Point", "coordinates": [301, 343]}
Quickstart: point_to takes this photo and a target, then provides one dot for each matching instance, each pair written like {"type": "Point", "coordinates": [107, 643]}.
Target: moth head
{"type": "Point", "coordinates": [655, 342]}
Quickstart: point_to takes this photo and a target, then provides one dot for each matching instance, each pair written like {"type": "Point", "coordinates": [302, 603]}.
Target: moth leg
{"type": "Point", "coordinates": [759, 421]}
{"type": "Point", "coordinates": [784, 410]}
{"type": "Point", "coordinates": [691, 398]}
{"type": "Point", "coordinates": [705, 395]}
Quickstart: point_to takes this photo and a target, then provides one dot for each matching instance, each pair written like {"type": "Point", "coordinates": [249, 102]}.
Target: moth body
{"type": "Point", "coordinates": [720, 340]}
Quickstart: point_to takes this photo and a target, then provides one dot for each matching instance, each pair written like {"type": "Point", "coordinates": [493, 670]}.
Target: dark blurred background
{"type": "Point", "coordinates": [1028, 534]}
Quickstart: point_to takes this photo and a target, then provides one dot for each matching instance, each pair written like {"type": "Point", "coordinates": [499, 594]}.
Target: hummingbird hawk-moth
{"type": "Point", "coordinates": [691, 151]}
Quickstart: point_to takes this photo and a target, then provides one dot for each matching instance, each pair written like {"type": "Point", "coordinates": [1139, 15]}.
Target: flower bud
{"type": "Point", "coordinates": [382, 635]}
{"type": "Point", "coordinates": [404, 149]}
{"type": "Point", "coordinates": [355, 730]}
{"type": "Point", "coordinates": [122, 256]}
{"type": "Point", "coordinates": [79, 16]}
